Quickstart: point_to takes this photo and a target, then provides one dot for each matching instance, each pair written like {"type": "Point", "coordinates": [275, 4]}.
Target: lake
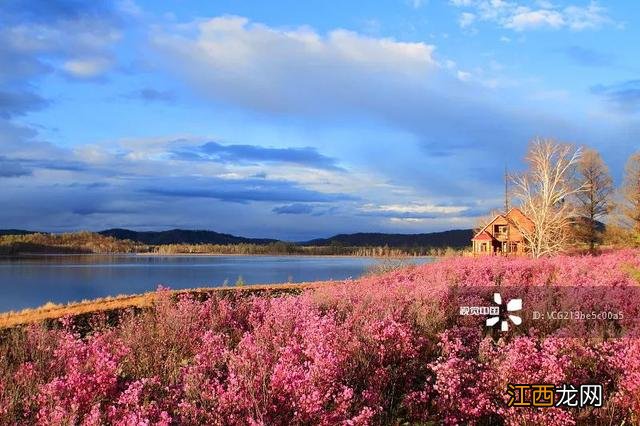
{"type": "Point", "coordinates": [34, 281]}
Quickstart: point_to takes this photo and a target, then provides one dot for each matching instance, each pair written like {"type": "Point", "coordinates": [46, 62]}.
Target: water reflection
{"type": "Point", "coordinates": [33, 281]}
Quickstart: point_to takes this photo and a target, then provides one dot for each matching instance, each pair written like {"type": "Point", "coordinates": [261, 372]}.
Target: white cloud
{"type": "Point", "coordinates": [280, 69]}
{"type": "Point", "coordinates": [519, 16]}
{"type": "Point", "coordinates": [466, 19]}
{"type": "Point", "coordinates": [463, 75]}
{"type": "Point", "coordinates": [415, 209]}
{"type": "Point", "coordinates": [81, 47]}
{"type": "Point", "coordinates": [129, 7]}
{"type": "Point", "coordinates": [407, 220]}
{"type": "Point", "coordinates": [526, 19]}
{"type": "Point", "coordinates": [417, 4]}
{"type": "Point", "coordinates": [341, 76]}
{"type": "Point", "coordinates": [460, 3]}
{"type": "Point", "coordinates": [87, 67]}
{"type": "Point", "coordinates": [590, 17]}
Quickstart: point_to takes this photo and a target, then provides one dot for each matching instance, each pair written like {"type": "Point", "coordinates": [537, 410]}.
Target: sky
{"type": "Point", "coordinates": [296, 120]}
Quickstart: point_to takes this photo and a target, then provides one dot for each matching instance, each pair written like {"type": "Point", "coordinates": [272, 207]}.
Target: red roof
{"type": "Point", "coordinates": [483, 236]}
{"type": "Point", "coordinates": [516, 215]}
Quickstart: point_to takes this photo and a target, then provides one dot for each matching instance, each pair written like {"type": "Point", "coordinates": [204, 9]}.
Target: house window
{"type": "Point", "coordinates": [483, 247]}
{"type": "Point", "coordinates": [501, 229]}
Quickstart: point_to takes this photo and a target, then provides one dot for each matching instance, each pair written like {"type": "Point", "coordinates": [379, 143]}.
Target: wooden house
{"type": "Point", "coordinates": [504, 235]}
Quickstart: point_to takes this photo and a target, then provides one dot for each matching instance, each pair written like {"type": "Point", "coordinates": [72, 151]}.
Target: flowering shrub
{"type": "Point", "coordinates": [387, 349]}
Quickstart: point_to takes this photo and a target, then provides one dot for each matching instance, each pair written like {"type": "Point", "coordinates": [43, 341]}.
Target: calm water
{"type": "Point", "coordinates": [35, 281]}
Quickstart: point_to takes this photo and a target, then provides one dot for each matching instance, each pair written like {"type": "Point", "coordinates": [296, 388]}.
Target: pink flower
{"type": "Point", "coordinates": [390, 349]}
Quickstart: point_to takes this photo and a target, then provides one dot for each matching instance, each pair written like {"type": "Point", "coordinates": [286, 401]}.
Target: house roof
{"type": "Point", "coordinates": [483, 236]}
{"type": "Point", "coordinates": [513, 216]}
{"type": "Point", "coordinates": [520, 219]}
{"type": "Point", "coordinates": [482, 231]}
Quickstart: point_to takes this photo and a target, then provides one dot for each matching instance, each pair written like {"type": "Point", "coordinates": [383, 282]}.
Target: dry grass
{"type": "Point", "coordinates": [51, 311]}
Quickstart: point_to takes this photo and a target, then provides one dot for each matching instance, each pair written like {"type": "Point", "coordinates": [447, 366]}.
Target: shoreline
{"type": "Point", "coordinates": [281, 255]}
{"type": "Point", "coordinates": [35, 255]}
{"type": "Point", "coordinates": [51, 311]}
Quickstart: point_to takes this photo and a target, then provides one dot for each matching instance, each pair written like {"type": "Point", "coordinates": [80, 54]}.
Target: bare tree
{"type": "Point", "coordinates": [631, 193]}
{"type": "Point", "coordinates": [544, 192]}
{"type": "Point", "coordinates": [594, 202]}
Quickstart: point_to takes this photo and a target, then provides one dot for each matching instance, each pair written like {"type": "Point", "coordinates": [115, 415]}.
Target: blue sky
{"type": "Point", "coordinates": [296, 120]}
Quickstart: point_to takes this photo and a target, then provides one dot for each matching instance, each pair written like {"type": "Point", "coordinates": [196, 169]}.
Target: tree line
{"type": "Point", "coordinates": [88, 242]}
{"type": "Point", "coordinates": [284, 248]}
{"type": "Point", "coordinates": [70, 243]}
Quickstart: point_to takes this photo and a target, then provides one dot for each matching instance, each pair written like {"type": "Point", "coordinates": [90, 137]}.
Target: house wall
{"type": "Point", "coordinates": [477, 247]}
{"type": "Point", "coordinates": [514, 234]}
{"type": "Point", "coordinates": [497, 221]}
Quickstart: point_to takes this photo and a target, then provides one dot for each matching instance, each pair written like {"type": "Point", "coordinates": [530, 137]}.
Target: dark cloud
{"type": "Point", "coordinates": [75, 38]}
{"type": "Point", "coordinates": [57, 164]}
{"type": "Point", "coordinates": [294, 209]}
{"type": "Point", "coordinates": [239, 190]}
{"type": "Point", "coordinates": [95, 210]}
{"type": "Point", "coordinates": [625, 96]}
{"type": "Point", "coordinates": [91, 185]}
{"type": "Point", "coordinates": [11, 168]}
{"type": "Point", "coordinates": [34, 204]}
{"type": "Point", "coordinates": [213, 151]}
{"type": "Point", "coordinates": [44, 11]}
{"type": "Point", "coordinates": [18, 66]}
{"type": "Point", "coordinates": [19, 103]}
{"type": "Point", "coordinates": [588, 57]}
{"type": "Point", "coordinates": [151, 95]}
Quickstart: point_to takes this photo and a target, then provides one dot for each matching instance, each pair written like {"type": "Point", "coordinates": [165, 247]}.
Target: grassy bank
{"type": "Point", "coordinates": [51, 312]}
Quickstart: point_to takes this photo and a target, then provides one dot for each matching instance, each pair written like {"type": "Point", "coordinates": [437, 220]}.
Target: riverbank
{"type": "Point", "coordinates": [52, 311]}
{"type": "Point", "coordinates": [382, 257]}
{"type": "Point", "coordinates": [144, 254]}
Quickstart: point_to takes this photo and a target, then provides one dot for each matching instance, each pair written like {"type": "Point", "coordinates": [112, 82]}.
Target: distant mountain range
{"type": "Point", "coordinates": [15, 232]}
{"type": "Point", "coordinates": [454, 238]}
{"type": "Point", "coordinates": [181, 236]}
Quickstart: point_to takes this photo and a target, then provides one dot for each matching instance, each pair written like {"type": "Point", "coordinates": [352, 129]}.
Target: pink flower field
{"type": "Point", "coordinates": [387, 349]}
